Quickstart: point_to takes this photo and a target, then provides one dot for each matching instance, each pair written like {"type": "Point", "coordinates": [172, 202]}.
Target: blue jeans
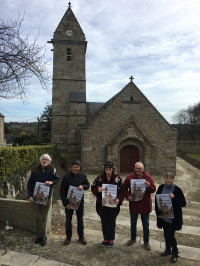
{"type": "Point", "coordinates": [80, 225]}
{"type": "Point", "coordinates": [145, 224]}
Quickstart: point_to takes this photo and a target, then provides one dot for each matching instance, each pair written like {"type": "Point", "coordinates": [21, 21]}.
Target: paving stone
{"type": "Point", "coordinates": [2, 252]}
{"type": "Point", "coordinates": [45, 262]}
{"type": "Point", "coordinates": [13, 258]}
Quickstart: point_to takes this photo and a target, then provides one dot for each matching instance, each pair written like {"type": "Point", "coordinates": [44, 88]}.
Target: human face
{"type": "Point", "coordinates": [139, 169]}
{"type": "Point", "coordinates": [169, 180]}
{"type": "Point", "coordinates": [75, 169]}
{"type": "Point", "coordinates": [108, 170]}
{"type": "Point", "coordinates": [45, 162]}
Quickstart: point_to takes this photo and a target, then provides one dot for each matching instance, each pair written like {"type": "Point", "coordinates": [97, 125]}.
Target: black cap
{"type": "Point", "coordinates": [108, 163]}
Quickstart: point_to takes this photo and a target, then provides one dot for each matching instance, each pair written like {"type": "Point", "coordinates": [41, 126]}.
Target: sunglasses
{"type": "Point", "coordinates": [108, 167]}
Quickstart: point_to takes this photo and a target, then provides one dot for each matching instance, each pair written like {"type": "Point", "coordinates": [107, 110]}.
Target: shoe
{"type": "Point", "coordinates": [166, 253]}
{"type": "Point", "coordinates": [38, 240]}
{"type": "Point", "coordinates": [131, 242]}
{"type": "Point", "coordinates": [174, 258]}
{"type": "Point", "coordinates": [110, 244]}
{"type": "Point", "coordinates": [43, 241]}
{"type": "Point", "coordinates": [147, 246]}
{"type": "Point", "coordinates": [67, 241]}
{"type": "Point", "coordinates": [83, 241]}
{"type": "Point", "coordinates": [104, 243]}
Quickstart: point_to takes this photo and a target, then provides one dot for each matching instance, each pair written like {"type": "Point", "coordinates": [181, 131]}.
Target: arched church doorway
{"type": "Point", "coordinates": [129, 155]}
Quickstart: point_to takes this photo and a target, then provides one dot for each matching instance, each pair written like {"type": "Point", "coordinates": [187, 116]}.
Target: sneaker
{"type": "Point", "coordinates": [67, 241]}
{"type": "Point", "coordinates": [83, 241]}
{"type": "Point", "coordinates": [104, 243]}
{"type": "Point", "coordinates": [147, 246]}
{"type": "Point", "coordinates": [110, 244]}
{"type": "Point", "coordinates": [131, 242]}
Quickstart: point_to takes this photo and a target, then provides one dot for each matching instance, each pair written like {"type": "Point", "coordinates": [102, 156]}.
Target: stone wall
{"type": "Point", "coordinates": [129, 118]}
{"type": "Point", "coordinates": [20, 213]}
{"type": "Point", "coordinates": [188, 146]}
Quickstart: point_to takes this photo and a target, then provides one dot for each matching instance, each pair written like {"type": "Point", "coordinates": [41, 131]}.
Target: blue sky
{"type": "Point", "coordinates": [158, 42]}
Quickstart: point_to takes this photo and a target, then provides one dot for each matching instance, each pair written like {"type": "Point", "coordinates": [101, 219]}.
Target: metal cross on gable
{"type": "Point", "coordinates": [131, 78]}
{"type": "Point", "coordinates": [69, 4]}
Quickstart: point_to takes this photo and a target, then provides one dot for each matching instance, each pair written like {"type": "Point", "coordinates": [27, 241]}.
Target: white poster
{"type": "Point", "coordinates": [109, 195]}
{"type": "Point", "coordinates": [74, 197]}
{"type": "Point", "coordinates": [41, 193]}
{"type": "Point", "coordinates": [164, 203]}
{"type": "Point", "coordinates": [138, 189]}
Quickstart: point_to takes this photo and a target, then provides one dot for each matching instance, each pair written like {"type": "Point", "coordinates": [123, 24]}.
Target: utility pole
{"type": "Point", "coordinates": [38, 119]}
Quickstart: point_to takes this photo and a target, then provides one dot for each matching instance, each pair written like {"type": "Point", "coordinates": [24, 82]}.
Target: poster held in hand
{"type": "Point", "coordinates": [74, 197]}
{"type": "Point", "coordinates": [138, 189]}
{"type": "Point", "coordinates": [41, 193]}
{"type": "Point", "coordinates": [164, 203]}
{"type": "Point", "coordinates": [109, 195]}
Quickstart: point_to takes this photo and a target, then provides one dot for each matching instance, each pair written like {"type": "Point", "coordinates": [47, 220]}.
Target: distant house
{"type": "Point", "coordinates": [9, 139]}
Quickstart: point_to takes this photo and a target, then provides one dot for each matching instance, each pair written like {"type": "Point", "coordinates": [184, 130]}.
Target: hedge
{"type": "Point", "coordinates": [15, 159]}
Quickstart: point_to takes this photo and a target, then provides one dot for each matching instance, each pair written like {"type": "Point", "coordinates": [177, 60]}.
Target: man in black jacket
{"type": "Point", "coordinates": [77, 179]}
{"type": "Point", "coordinates": [42, 173]}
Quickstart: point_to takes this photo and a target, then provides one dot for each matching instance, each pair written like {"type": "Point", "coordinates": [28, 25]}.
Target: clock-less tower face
{"type": "Point", "coordinates": [69, 33]}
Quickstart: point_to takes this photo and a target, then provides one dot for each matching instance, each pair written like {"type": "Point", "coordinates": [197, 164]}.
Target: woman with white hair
{"type": "Point", "coordinates": [43, 173]}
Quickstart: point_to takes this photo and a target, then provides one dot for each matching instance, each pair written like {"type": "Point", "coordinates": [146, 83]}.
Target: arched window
{"type": "Point", "coordinates": [69, 54]}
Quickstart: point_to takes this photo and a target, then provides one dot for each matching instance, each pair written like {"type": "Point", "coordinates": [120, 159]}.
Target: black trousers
{"type": "Point", "coordinates": [80, 224]}
{"type": "Point", "coordinates": [170, 239]}
{"type": "Point", "coordinates": [108, 222]}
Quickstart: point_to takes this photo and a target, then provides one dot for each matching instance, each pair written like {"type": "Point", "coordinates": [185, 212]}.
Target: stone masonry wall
{"type": "Point", "coordinates": [130, 112]}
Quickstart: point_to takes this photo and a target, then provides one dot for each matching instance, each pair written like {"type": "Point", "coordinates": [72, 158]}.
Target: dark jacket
{"type": "Point", "coordinates": [101, 179]}
{"type": "Point", "coordinates": [72, 180]}
{"type": "Point", "coordinates": [144, 205]}
{"type": "Point", "coordinates": [39, 174]}
{"type": "Point", "coordinates": [177, 203]}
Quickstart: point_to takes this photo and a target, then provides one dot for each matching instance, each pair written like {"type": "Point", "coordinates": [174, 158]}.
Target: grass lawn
{"type": "Point", "coordinates": [194, 155]}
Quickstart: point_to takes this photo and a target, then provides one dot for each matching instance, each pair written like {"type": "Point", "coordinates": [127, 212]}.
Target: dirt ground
{"type": "Point", "coordinates": [93, 253]}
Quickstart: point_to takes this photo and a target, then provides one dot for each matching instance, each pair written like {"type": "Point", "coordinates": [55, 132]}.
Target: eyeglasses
{"type": "Point", "coordinates": [139, 168]}
{"type": "Point", "coordinates": [108, 167]}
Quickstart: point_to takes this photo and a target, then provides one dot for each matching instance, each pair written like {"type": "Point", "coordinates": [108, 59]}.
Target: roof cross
{"type": "Point", "coordinates": [69, 4]}
{"type": "Point", "coordinates": [131, 78]}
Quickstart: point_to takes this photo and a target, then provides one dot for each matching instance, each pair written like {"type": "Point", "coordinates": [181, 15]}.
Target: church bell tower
{"type": "Point", "coordinates": [69, 84]}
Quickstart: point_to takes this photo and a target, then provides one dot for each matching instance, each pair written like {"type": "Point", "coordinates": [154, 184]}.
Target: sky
{"type": "Point", "coordinates": [157, 42]}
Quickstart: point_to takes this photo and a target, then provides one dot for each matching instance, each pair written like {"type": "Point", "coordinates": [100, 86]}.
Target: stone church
{"type": "Point", "coordinates": [125, 129]}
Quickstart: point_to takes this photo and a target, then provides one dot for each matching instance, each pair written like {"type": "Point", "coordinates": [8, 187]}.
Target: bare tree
{"type": "Point", "coordinates": [188, 123]}
{"type": "Point", "coordinates": [20, 60]}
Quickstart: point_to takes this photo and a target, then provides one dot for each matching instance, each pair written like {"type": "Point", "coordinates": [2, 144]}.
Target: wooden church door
{"type": "Point", "coordinates": [129, 155]}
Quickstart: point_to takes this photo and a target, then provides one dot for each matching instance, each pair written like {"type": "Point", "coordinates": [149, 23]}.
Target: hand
{"type": "Point", "coordinates": [171, 195]}
{"type": "Point", "coordinates": [31, 200]}
{"type": "Point", "coordinates": [130, 198]}
{"type": "Point", "coordinates": [100, 189]}
{"type": "Point", "coordinates": [117, 201]}
{"type": "Point", "coordinates": [68, 207]}
{"type": "Point", "coordinates": [147, 184]}
{"type": "Point", "coordinates": [80, 187]}
{"type": "Point", "coordinates": [48, 183]}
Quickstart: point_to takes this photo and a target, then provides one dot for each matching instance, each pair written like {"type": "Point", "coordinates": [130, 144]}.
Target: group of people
{"type": "Point", "coordinates": [45, 173]}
